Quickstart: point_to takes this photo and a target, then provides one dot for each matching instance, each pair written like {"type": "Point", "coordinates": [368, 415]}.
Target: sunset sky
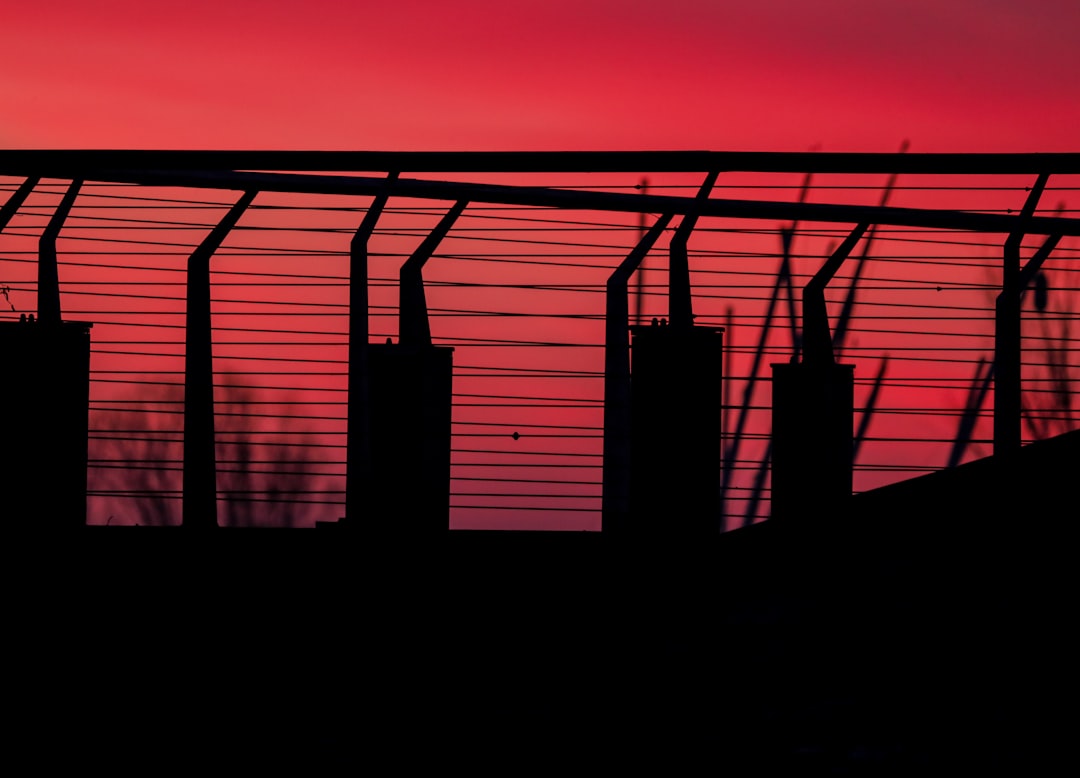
{"type": "Point", "coordinates": [773, 75]}
{"type": "Point", "coordinates": [963, 75]}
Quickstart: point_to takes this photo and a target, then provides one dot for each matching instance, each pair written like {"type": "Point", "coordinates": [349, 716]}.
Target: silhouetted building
{"type": "Point", "coordinates": [45, 394]}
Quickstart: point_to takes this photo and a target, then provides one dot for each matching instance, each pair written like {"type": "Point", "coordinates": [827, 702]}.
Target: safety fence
{"type": "Point", "coordinates": [518, 286]}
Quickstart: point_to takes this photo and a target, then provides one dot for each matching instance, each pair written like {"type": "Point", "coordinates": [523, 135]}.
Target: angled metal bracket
{"type": "Point", "coordinates": [680, 298]}
{"type": "Point", "coordinates": [817, 339]}
{"type": "Point", "coordinates": [358, 432]}
{"type": "Point", "coordinates": [200, 458]}
{"type": "Point", "coordinates": [1031, 269]}
{"type": "Point", "coordinates": [13, 203]}
{"type": "Point", "coordinates": [1016, 238]}
{"type": "Point", "coordinates": [414, 329]}
{"type": "Point", "coordinates": [48, 283]}
{"type": "Point", "coordinates": [616, 487]}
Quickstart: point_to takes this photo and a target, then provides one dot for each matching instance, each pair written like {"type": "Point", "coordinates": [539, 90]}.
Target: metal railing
{"type": "Point", "coordinates": [957, 301]}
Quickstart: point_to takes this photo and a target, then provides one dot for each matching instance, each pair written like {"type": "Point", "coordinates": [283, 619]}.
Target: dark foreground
{"type": "Point", "coordinates": [927, 630]}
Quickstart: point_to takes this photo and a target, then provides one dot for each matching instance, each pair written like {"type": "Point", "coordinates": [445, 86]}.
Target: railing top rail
{"type": "Point", "coordinates": [545, 197]}
{"type": "Point", "coordinates": [65, 163]}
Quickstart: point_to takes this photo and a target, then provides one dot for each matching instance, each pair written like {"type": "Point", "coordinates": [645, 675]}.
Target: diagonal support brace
{"type": "Point", "coordinates": [48, 282]}
{"type": "Point", "coordinates": [414, 329]}
{"type": "Point", "coordinates": [817, 339]}
{"type": "Point", "coordinates": [13, 203]}
{"type": "Point", "coordinates": [680, 298]}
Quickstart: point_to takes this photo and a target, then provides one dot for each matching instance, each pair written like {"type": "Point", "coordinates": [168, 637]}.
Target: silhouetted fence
{"type": "Point", "coordinates": [532, 269]}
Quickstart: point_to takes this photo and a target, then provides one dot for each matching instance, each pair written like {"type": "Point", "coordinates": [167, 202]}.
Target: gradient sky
{"type": "Point", "coordinates": [963, 75]}
{"type": "Point", "coordinates": [784, 75]}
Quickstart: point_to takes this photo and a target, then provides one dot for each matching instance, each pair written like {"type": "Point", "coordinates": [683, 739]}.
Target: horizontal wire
{"type": "Point", "coordinates": [495, 229]}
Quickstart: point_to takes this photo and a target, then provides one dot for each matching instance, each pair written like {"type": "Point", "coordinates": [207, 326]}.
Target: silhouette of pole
{"type": "Point", "coordinates": [1007, 422]}
{"type": "Point", "coordinates": [200, 458]}
{"type": "Point", "coordinates": [48, 287]}
{"type": "Point", "coordinates": [617, 409]}
{"type": "Point", "coordinates": [639, 293]}
{"type": "Point", "coordinates": [358, 429]}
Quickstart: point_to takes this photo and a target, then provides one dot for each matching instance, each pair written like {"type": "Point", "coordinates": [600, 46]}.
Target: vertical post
{"type": "Point", "coordinates": [1007, 337]}
{"type": "Point", "coordinates": [200, 458]}
{"type": "Point", "coordinates": [358, 432]}
{"type": "Point", "coordinates": [617, 409]}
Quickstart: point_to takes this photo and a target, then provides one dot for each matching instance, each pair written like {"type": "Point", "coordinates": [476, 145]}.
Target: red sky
{"type": "Point", "coordinates": [971, 75]}
{"type": "Point", "coordinates": [842, 75]}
